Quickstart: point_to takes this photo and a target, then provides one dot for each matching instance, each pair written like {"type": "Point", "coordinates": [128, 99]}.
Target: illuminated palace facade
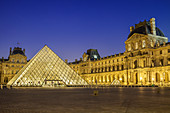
{"type": "Point", "coordinates": [146, 60]}
{"type": "Point", "coordinates": [11, 66]}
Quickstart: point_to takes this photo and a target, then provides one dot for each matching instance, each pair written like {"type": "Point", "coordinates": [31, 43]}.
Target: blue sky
{"type": "Point", "coordinates": [70, 27]}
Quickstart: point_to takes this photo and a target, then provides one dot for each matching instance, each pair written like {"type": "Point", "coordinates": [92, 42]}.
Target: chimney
{"type": "Point", "coordinates": [80, 59]}
{"type": "Point", "coordinates": [131, 28]}
{"type": "Point", "coordinates": [153, 27]}
{"type": "Point", "coordinates": [24, 51]}
{"type": "Point", "coordinates": [2, 59]}
{"type": "Point", "coordinates": [66, 60]}
{"type": "Point", "coordinates": [10, 51]}
{"type": "Point", "coordinates": [75, 60]}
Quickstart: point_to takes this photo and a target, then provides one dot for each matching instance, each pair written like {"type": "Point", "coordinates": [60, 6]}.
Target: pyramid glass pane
{"type": "Point", "coordinates": [46, 69]}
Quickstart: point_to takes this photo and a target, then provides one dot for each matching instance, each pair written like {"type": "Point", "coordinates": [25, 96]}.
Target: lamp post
{"type": "Point", "coordinates": [153, 80]}
{"type": "Point", "coordinates": [120, 81]}
{"type": "Point", "coordinates": [141, 80]}
{"type": "Point", "coordinates": [127, 68]}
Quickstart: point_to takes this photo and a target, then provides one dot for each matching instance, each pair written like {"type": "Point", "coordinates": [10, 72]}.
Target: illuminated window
{"type": "Point", "coordinates": [143, 44]}
{"type": "Point", "coordinates": [129, 47]}
{"type": "Point", "coordinates": [95, 56]}
{"type": "Point", "coordinates": [136, 45]}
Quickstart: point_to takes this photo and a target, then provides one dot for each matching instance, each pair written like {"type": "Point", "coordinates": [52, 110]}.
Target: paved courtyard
{"type": "Point", "coordinates": [82, 100]}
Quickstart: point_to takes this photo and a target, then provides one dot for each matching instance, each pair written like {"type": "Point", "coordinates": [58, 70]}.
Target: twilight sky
{"type": "Point", "coordinates": [70, 27]}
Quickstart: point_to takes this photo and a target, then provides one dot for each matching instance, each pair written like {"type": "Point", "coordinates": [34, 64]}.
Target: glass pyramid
{"type": "Point", "coordinates": [46, 69]}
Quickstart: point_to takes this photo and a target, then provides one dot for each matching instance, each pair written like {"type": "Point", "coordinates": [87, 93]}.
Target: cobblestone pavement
{"type": "Point", "coordinates": [83, 100]}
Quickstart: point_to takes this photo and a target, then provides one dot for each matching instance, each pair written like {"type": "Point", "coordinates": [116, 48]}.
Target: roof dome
{"type": "Point", "coordinates": [145, 28]}
{"type": "Point", "coordinates": [18, 50]}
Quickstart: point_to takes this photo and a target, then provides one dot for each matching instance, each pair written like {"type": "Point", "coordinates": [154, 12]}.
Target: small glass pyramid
{"type": "Point", "coordinates": [46, 69]}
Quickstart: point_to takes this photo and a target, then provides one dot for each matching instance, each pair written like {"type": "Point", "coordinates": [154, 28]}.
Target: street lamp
{"type": "Point", "coordinates": [153, 80]}
{"type": "Point", "coordinates": [141, 80]}
{"type": "Point", "coordinates": [120, 80]}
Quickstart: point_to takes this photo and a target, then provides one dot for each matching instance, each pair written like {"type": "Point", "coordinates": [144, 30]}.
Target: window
{"type": "Point", "coordinates": [160, 51]}
{"type": "Point", "coordinates": [144, 63]}
{"type": "Point", "coordinates": [143, 44]}
{"type": "Point", "coordinates": [113, 68]}
{"type": "Point", "coordinates": [92, 71]}
{"type": "Point", "coordinates": [129, 47]}
{"type": "Point", "coordinates": [109, 69]}
{"type": "Point", "coordinates": [122, 67]}
{"type": "Point", "coordinates": [168, 50]}
{"type": "Point", "coordinates": [12, 60]}
{"type": "Point", "coordinates": [118, 68]}
{"type": "Point", "coordinates": [105, 69]}
{"type": "Point", "coordinates": [17, 61]}
{"type": "Point", "coordinates": [136, 45]}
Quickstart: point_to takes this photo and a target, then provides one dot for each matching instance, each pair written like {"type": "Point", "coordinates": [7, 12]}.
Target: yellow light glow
{"type": "Point", "coordinates": [140, 78]}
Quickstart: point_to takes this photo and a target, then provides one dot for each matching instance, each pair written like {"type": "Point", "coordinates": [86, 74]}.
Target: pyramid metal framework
{"type": "Point", "coordinates": [46, 69]}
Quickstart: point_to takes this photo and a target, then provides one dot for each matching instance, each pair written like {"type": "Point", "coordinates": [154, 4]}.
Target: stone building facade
{"type": "Point", "coordinates": [9, 67]}
{"type": "Point", "coordinates": [146, 60]}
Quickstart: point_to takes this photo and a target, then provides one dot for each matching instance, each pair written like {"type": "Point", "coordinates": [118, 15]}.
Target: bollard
{"type": "Point", "coordinates": [158, 91]}
{"type": "Point", "coordinates": [95, 92]}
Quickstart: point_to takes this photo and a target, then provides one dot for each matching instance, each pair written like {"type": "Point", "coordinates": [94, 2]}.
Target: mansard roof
{"type": "Point", "coordinates": [18, 50]}
{"type": "Point", "coordinates": [145, 28]}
